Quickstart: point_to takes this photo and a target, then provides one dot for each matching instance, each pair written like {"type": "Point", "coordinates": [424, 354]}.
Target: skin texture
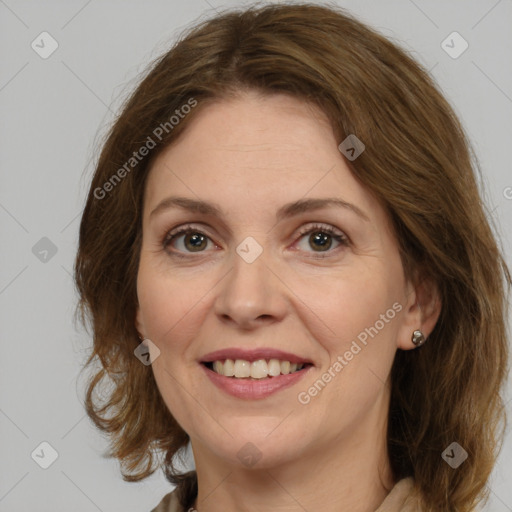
{"type": "Point", "coordinates": [251, 155]}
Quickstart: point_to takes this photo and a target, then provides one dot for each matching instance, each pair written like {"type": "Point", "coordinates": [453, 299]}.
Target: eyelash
{"type": "Point", "coordinates": [325, 229]}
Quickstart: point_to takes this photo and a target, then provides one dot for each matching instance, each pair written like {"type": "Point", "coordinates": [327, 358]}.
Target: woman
{"type": "Point", "coordinates": [286, 261]}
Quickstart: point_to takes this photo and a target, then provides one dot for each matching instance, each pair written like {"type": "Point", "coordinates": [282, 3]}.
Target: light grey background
{"type": "Point", "coordinates": [53, 111]}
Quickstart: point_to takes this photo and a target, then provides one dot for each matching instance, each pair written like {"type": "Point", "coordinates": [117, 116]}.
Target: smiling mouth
{"type": "Point", "coordinates": [256, 370]}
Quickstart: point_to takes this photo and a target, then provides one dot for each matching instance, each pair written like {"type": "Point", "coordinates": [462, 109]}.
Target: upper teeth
{"type": "Point", "coordinates": [259, 369]}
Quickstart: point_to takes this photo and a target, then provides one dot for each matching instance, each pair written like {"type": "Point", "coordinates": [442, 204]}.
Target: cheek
{"type": "Point", "coordinates": [163, 301]}
{"type": "Point", "coordinates": [358, 334]}
{"type": "Point", "coordinates": [347, 305]}
{"type": "Point", "coordinates": [173, 305]}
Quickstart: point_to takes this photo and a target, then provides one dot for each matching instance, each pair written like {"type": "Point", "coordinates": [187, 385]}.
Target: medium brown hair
{"type": "Point", "coordinates": [417, 161]}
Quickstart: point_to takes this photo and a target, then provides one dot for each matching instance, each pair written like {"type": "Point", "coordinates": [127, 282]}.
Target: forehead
{"type": "Point", "coordinates": [274, 129]}
{"type": "Point", "coordinates": [257, 150]}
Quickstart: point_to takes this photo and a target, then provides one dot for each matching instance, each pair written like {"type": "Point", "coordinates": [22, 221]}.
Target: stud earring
{"type": "Point", "coordinates": [418, 338]}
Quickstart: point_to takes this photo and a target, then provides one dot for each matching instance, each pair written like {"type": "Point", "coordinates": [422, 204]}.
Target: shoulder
{"type": "Point", "coordinates": [169, 503]}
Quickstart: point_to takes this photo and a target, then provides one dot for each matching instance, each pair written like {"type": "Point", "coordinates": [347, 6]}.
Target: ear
{"type": "Point", "coordinates": [421, 311]}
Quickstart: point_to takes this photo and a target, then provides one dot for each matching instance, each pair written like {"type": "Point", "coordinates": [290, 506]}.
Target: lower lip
{"type": "Point", "coordinates": [254, 389]}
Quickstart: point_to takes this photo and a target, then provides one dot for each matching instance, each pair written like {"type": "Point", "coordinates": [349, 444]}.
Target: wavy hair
{"type": "Point", "coordinates": [420, 164]}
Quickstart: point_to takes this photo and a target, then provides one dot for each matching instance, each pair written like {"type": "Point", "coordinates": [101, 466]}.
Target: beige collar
{"type": "Point", "coordinates": [398, 500]}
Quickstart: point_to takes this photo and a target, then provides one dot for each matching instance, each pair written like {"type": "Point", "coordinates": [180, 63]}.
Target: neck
{"type": "Point", "coordinates": [347, 473]}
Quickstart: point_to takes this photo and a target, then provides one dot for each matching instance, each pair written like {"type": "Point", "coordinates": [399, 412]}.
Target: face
{"type": "Point", "coordinates": [325, 285]}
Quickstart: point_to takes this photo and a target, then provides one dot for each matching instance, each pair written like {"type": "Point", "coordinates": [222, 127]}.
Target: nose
{"type": "Point", "coordinates": [251, 295]}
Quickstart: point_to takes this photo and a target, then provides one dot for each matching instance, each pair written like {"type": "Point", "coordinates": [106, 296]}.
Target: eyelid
{"type": "Point", "coordinates": [310, 227]}
{"type": "Point", "coordinates": [183, 229]}
{"type": "Point", "coordinates": [321, 226]}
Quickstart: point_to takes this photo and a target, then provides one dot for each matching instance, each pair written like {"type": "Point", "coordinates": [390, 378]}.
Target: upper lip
{"type": "Point", "coordinates": [252, 355]}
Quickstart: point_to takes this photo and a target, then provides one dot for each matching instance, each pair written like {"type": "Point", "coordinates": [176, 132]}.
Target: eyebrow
{"type": "Point", "coordinates": [286, 211]}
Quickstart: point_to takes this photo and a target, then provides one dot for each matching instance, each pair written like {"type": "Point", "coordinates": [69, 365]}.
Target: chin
{"type": "Point", "coordinates": [257, 446]}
